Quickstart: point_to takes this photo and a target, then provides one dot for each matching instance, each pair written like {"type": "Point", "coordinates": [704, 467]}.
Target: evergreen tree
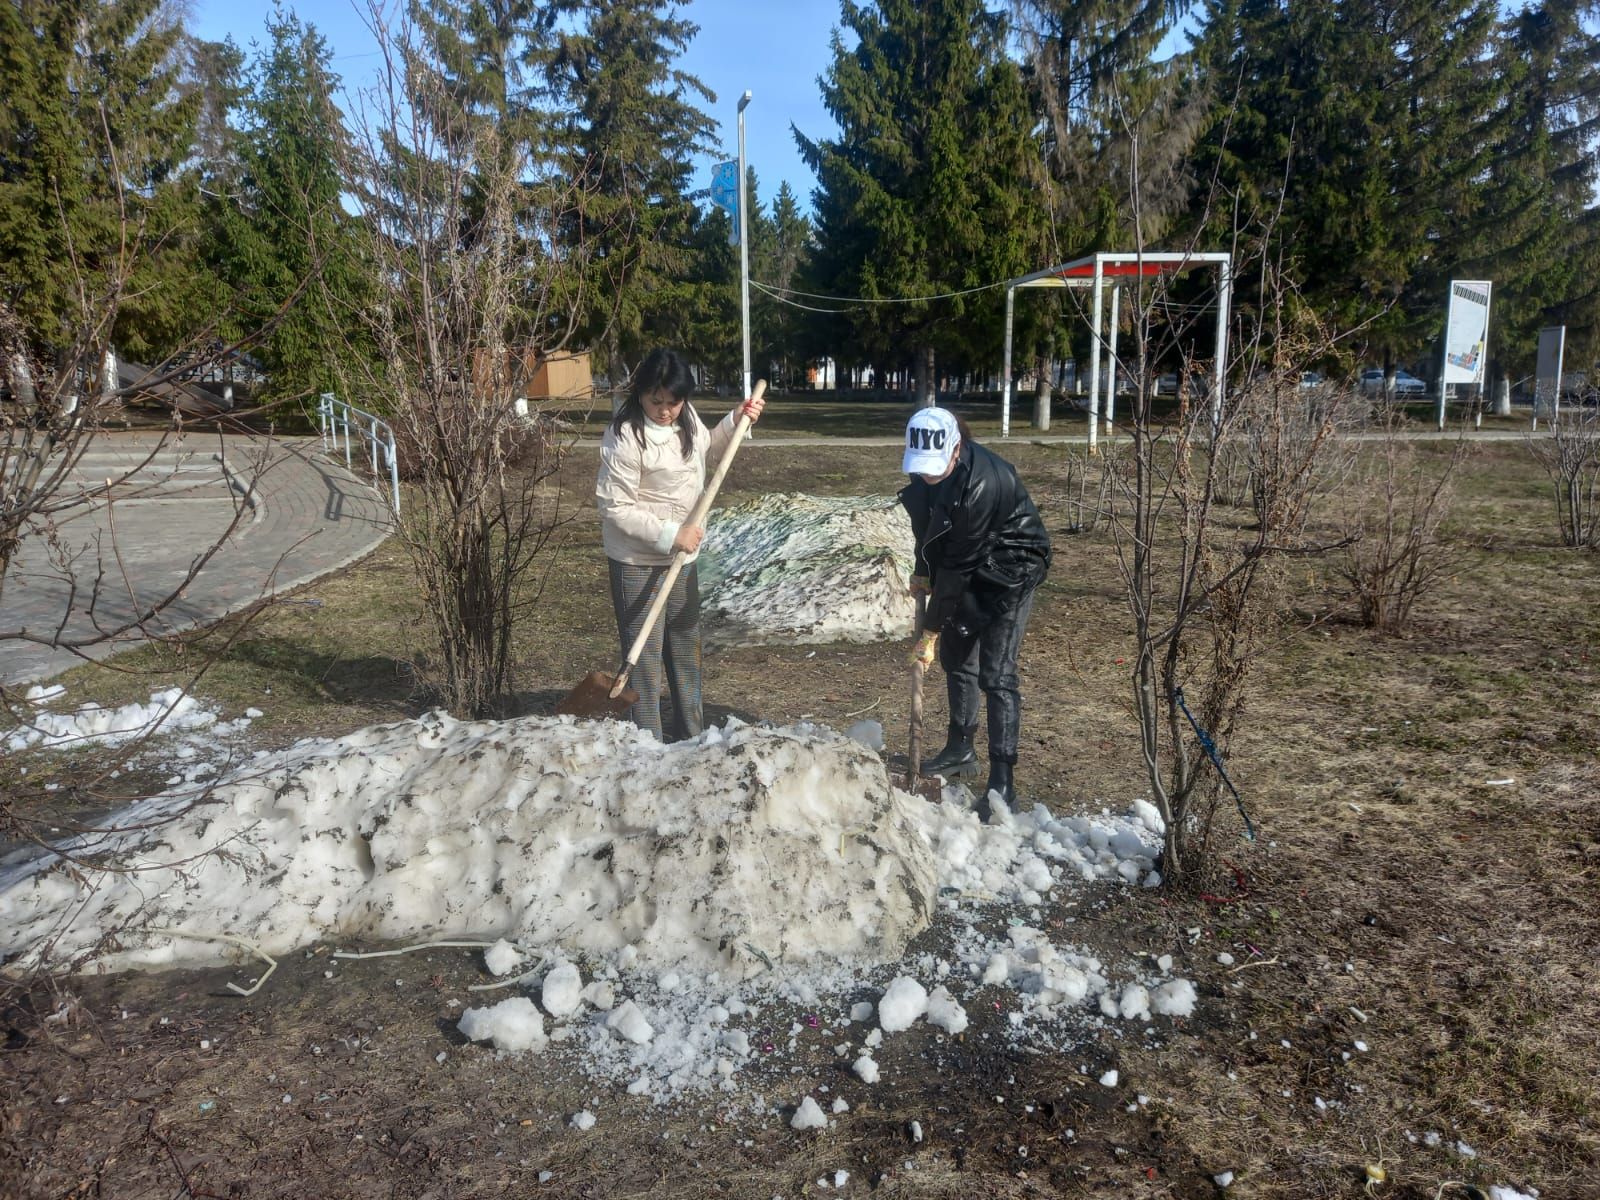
{"type": "Point", "coordinates": [95, 214]}
{"type": "Point", "coordinates": [476, 85]}
{"type": "Point", "coordinates": [1355, 133]}
{"type": "Point", "coordinates": [778, 259]}
{"type": "Point", "coordinates": [217, 76]}
{"type": "Point", "coordinates": [632, 129]}
{"type": "Point", "coordinates": [1537, 235]}
{"type": "Point", "coordinates": [926, 189]}
{"type": "Point", "coordinates": [281, 237]}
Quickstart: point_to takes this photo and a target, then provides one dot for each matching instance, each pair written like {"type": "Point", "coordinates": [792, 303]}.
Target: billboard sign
{"type": "Point", "coordinates": [1466, 331]}
{"type": "Point", "coordinates": [1547, 374]}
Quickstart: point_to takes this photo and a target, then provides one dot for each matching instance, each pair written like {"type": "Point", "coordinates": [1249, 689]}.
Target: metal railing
{"type": "Point", "coordinates": [334, 417]}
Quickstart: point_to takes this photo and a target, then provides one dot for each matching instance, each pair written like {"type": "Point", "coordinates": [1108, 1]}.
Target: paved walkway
{"type": "Point", "coordinates": [295, 516]}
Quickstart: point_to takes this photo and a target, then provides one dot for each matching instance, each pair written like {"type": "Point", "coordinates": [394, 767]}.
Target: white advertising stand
{"type": "Point", "coordinates": [1466, 337]}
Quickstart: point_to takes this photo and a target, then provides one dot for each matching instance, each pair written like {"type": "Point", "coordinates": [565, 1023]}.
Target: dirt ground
{"type": "Point", "coordinates": [1396, 900]}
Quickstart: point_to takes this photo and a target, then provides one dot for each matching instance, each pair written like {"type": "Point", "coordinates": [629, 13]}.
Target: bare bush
{"type": "Point", "coordinates": [471, 280]}
{"type": "Point", "coordinates": [1570, 455]}
{"type": "Point", "coordinates": [1394, 553]}
{"type": "Point", "coordinates": [1087, 485]}
{"type": "Point", "coordinates": [1206, 590]}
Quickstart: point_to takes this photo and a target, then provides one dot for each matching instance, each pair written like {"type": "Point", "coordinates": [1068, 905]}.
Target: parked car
{"type": "Point", "coordinates": [1312, 379]}
{"type": "Point", "coordinates": [1405, 383]}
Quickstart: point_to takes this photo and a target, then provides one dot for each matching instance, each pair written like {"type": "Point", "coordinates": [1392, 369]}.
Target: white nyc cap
{"type": "Point", "coordinates": [932, 436]}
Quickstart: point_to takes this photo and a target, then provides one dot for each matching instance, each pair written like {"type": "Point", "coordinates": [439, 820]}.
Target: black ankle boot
{"type": "Point", "coordinates": [1000, 784]}
{"type": "Point", "coordinates": [956, 760]}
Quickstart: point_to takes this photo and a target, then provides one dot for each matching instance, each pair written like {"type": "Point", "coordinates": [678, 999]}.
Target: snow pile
{"type": "Point", "coordinates": [169, 711]}
{"type": "Point", "coordinates": [1024, 855]}
{"type": "Point", "coordinates": [792, 568]}
{"type": "Point", "coordinates": [743, 848]}
{"type": "Point", "coordinates": [672, 908]}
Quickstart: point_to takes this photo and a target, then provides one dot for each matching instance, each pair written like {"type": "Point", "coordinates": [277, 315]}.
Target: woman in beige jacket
{"type": "Point", "coordinates": [652, 470]}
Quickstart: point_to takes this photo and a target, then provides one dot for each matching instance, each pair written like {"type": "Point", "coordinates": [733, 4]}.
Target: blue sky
{"type": "Point", "coordinates": [776, 50]}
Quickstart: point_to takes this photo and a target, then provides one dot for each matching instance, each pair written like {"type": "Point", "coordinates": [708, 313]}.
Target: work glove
{"type": "Point", "coordinates": [919, 585]}
{"type": "Point", "coordinates": [925, 651]}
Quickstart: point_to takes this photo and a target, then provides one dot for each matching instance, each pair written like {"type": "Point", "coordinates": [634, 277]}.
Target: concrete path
{"type": "Point", "coordinates": [295, 516]}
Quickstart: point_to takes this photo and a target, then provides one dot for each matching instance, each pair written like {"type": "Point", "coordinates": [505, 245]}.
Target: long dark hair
{"type": "Point", "coordinates": [661, 370]}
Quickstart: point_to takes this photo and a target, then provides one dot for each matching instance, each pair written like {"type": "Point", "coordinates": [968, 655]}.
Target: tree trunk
{"type": "Point", "coordinates": [922, 373]}
{"type": "Point", "coordinates": [614, 368]}
{"type": "Point", "coordinates": [1041, 397]}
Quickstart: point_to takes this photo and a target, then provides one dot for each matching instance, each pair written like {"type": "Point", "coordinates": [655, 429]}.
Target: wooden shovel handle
{"type": "Point", "coordinates": [918, 671]}
{"type": "Point", "coordinates": [697, 516]}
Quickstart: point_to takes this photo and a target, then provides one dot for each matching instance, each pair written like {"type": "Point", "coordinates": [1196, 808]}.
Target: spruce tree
{"type": "Point", "coordinates": [785, 252]}
{"type": "Point", "coordinates": [926, 189]}
{"type": "Point", "coordinates": [281, 237]}
{"type": "Point", "coordinates": [631, 129]}
{"type": "Point", "coordinates": [1537, 235]}
{"type": "Point", "coordinates": [1354, 133]}
{"type": "Point", "coordinates": [96, 214]}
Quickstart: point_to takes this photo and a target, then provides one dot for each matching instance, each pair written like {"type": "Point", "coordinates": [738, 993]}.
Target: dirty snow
{"type": "Point", "coordinates": [792, 568]}
{"type": "Point", "coordinates": [174, 731]}
{"type": "Point", "coordinates": [678, 898]}
{"type": "Point", "coordinates": [170, 710]}
{"type": "Point", "coordinates": [552, 832]}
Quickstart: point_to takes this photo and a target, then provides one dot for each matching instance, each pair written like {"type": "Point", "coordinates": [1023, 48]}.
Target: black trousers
{"type": "Point", "coordinates": [978, 650]}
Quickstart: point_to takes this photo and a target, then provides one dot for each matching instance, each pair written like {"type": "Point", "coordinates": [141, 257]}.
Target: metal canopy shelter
{"type": "Point", "coordinates": [1095, 271]}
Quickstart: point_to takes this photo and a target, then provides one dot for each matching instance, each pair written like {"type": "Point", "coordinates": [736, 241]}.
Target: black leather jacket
{"type": "Point", "coordinates": [976, 530]}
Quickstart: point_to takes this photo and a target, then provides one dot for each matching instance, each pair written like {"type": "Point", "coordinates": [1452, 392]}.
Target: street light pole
{"type": "Point", "coordinates": [744, 248]}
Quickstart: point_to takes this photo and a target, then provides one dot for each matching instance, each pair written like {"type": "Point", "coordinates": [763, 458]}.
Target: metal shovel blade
{"type": "Point", "coordinates": [592, 699]}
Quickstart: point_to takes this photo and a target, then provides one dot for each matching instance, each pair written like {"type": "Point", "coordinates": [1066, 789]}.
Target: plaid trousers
{"type": "Point", "coordinates": [672, 650]}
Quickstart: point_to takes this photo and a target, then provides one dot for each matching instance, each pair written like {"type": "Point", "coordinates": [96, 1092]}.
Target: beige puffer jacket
{"type": "Point", "coordinates": [645, 492]}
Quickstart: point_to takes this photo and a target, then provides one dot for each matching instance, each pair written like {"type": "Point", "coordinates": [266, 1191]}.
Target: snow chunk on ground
{"type": "Point", "coordinates": [513, 1025]}
{"type": "Point", "coordinates": [946, 1012]}
{"type": "Point", "coordinates": [592, 836]}
{"type": "Point", "coordinates": [171, 710]}
{"type": "Point", "coordinates": [1135, 1003]}
{"type": "Point", "coordinates": [902, 1004]}
{"type": "Point", "coordinates": [502, 958]}
{"type": "Point", "coordinates": [582, 1121]}
{"type": "Point", "coordinates": [791, 568]}
{"type": "Point", "coordinates": [808, 1116]}
{"type": "Point", "coordinates": [1175, 998]}
{"type": "Point", "coordinates": [630, 1024]}
{"type": "Point", "coordinates": [562, 991]}
{"type": "Point", "coordinates": [866, 1069]}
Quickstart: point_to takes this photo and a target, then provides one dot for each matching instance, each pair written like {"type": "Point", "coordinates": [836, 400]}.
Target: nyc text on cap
{"type": "Point", "coordinates": [932, 436]}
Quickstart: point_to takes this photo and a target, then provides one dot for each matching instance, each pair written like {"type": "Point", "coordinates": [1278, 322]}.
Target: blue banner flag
{"type": "Point", "coordinates": [725, 193]}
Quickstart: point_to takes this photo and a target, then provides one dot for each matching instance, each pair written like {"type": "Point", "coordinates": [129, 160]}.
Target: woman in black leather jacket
{"type": "Point", "coordinates": [981, 552]}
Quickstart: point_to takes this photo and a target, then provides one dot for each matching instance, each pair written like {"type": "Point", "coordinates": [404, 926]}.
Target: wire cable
{"type": "Point", "coordinates": [773, 290]}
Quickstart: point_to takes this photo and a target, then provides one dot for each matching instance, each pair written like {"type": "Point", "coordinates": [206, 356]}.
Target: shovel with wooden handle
{"type": "Point", "coordinates": [602, 695]}
{"type": "Point", "coordinates": [919, 669]}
